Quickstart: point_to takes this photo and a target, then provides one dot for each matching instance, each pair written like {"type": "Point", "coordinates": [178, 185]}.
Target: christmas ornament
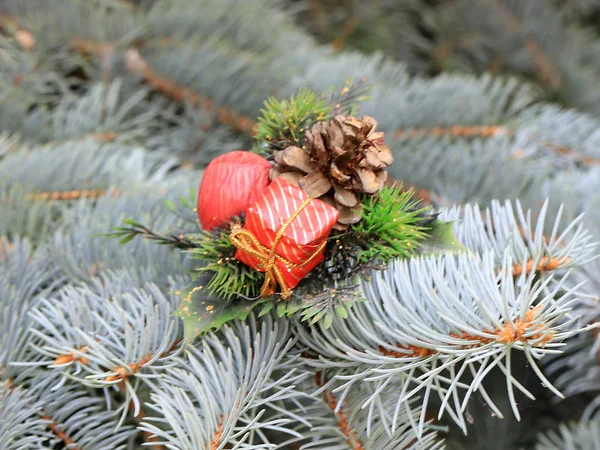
{"type": "Point", "coordinates": [231, 182]}
{"type": "Point", "coordinates": [342, 158]}
{"type": "Point", "coordinates": [328, 172]}
{"type": "Point", "coordinates": [284, 235]}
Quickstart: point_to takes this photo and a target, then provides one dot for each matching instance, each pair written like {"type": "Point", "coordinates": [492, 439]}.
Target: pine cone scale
{"type": "Point", "coordinates": [344, 196]}
{"type": "Point", "coordinates": [296, 157]}
{"type": "Point", "coordinates": [315, 184]}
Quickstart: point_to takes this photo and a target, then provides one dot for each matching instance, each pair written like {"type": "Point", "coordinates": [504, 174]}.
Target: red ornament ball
{"type": "Point", "coordinates": [230, 184]}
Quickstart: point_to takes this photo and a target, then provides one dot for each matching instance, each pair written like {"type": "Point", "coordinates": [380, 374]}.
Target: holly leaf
{"type": "Point", "coordinates": [202, 311]}
{"type": "Point", "coordinates": [441, 240]}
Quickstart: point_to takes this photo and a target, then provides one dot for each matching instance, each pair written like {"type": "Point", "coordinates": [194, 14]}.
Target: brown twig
{"type": "Point", "coordinates": [563, 150]}
{"type": "Point", "coordinates": [470, 131]}
{"type": "Point", "coordinates": [510, 332]}
{"type": "Point", "coordinates": [124, 372]}
{"type": "Point", "coordinates": [214, 445]}
{"type": "Point", "coordinates": [102, 136]}
{"type": "Point", "coordinates": [342, 419]}
{"type": "Point", "coordinates": [136, 64]}
{"type": "Point", "coordinates": [489, 131]}
{"type": "Point", "coordinates": [75, 194]}
{"type": "Point", "coordinates": [71, 357]}
{"type": "Point", "coordinates": [546, 264]}
{"type": "Point", "coordinates": [542, 63]}
{"type": "Point", "coordinates": [495, 66]}
{"type": "Point", "coordinates": [56, 429]}
{"type": "Point", "coordinates": [347, 29]}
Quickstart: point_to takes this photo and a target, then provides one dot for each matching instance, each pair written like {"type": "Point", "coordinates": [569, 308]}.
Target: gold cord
{"type": "Point", "coordinates": [247, 242]}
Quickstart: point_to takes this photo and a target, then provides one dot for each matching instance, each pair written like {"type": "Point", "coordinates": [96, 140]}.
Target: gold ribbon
{"type": "Point", "coordinates": [247, 242]}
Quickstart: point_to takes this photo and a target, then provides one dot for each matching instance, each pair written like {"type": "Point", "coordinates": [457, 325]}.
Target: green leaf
{"type": "Point", "coordinates": [133, 223]}
{"type": "Point", "coordinates": [284, 122]}
{"type": "Point", "coordinates": [170, 205]}
{"type": "Point", "coordinates": [202, 311]}
{"type": "Point", "coordinates": [441, 240]}
{"type": "Point", "coordinates": [126, 239]}
{"type": "Point", "coordinates": [184, 202]}
{"type": "Point", "coordinates": [266, 308]}
{"type": "Point", "coordinates": [281, 309]}
{"type": "Point", "coordinates": [342, 311]}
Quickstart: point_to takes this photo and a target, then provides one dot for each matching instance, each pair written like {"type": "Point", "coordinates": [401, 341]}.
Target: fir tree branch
{"type": "Point", "coordinates": [341, 417]}
{"type": "Point", "coordinates": [503, 226]}
{"type": "Point", "coordinates": [516, 329]}
{"type": "Point", "coordinates": [436, 367]}
{"type": "Point", "coordinates": [139, 417]}
{"type": "Point", "coordinates": [71, 409]}
{"type": "Point", "coordinates": [136, 64]}
{"type": "Point", "coordinates": [21, 425]}
{"type": "Point", "coordinates": [226, 410]}
{"type": "Point", "coordinates": [49, 423]}
{"type": "Point", "coordinates": [389, 227]}
{"type": "Point", "coordinates": [283, 123]}
{"type": "Point", "coordinates": [548, 74]}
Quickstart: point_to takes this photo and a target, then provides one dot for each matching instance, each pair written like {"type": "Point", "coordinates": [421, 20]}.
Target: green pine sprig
{"type": "Point", "coordinates": [284, 122]}
{"type": "Point", "coordinates": [389, 226]}
{"type": "Point", "coordinates": [230, 277]}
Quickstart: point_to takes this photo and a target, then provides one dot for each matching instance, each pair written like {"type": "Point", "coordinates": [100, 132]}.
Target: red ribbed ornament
{"type": "Point", "coordinates": [231, 183]}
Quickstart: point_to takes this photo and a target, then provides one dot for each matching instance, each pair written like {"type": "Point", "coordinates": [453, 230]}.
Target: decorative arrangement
{"type": "Point", "coordinates": [295, 224]}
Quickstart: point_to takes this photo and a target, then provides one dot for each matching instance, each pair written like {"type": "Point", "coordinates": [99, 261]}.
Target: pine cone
{"type": "Point", "coordinates": [342, 158]}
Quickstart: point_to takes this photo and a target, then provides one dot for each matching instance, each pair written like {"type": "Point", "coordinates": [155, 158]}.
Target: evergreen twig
{"type": "Point", "coordinates": [390, 226]}
{"type": "Point", "coordinates": [135, 229]}
{"type": "Point", "coordinates": [283, 122]}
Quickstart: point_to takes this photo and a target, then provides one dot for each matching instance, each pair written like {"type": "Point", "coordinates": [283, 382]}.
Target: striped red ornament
{"type": "Point", "coordinates": [231, 183]}
{"type": "Point", "coordinates": [304, 236]}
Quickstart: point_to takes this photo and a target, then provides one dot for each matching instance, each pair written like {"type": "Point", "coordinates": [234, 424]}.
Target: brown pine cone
{"type": "Point", "coordinates": [342, 158]}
